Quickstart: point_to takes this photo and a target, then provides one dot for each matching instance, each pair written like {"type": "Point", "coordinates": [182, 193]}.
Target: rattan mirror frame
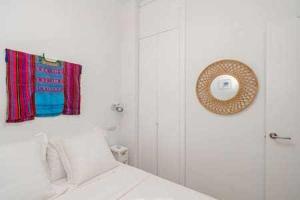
{"type": "Point", "coordinates": [247, 92]}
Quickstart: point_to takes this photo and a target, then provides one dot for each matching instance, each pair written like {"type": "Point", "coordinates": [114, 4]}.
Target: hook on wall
{"type": "Point", "coordinates": [48, 60]}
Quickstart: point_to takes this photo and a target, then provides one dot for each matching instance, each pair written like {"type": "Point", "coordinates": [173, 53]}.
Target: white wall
{"type": "Point", "coordinates": [85, 32]}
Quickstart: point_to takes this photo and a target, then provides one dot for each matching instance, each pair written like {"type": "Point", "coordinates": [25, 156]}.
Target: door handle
{"type": "Point", "coordinates": [275, 136]}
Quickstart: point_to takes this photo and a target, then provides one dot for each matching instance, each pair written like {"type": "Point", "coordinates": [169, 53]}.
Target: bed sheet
{"type": "Point", "coordinates": [129, 183]}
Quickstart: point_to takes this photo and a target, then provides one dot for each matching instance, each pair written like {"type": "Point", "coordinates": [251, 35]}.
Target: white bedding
{"type": "Point", "coordinates": [128, 183]}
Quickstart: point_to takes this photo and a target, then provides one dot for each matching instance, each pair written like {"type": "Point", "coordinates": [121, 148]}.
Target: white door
{"type": "Point", "coordinates": [168, 143]}
{"type": "Point", "coordinates": [283, 111]}
{"type": "Point", "coordinates": [159, 105]}
{"type": "Point", "coordinates": [161, 88]}
{"type": "Point", "coordinates": [148, 105]}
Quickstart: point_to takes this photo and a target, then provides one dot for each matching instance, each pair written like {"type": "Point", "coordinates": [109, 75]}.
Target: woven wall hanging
{"type": "Point", "coordinates": [39, 87]}
{"type": "Point", "coordinates": [227, 87]}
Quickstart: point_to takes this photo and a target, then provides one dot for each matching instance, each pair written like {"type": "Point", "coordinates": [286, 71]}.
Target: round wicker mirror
{"type": "Point", "coordinates": [227, 87]}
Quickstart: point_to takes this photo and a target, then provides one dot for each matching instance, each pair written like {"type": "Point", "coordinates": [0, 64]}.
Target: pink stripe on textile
{"type": "Point", "coordinates": [49, 80]}
{"type": "Point", "coordinates": [49, 71]}
{"type": "Point", "coordinates": [20, 86]}
{"type": "Point", "coordinates": [49, 89]}
{"type": "Point", "coordinates": [19, 81]}
{"type": "Point", "coordinates": [27, 75]}
{"type": "Point", "coordinates": [72, 73]}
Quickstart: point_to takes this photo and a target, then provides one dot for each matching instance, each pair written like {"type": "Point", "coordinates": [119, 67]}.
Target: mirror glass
{"type": "Point", "coordinates": [224, 87]}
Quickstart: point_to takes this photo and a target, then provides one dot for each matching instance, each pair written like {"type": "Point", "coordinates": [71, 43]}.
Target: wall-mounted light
{"type": "Point", "coordinates": [117, 107]}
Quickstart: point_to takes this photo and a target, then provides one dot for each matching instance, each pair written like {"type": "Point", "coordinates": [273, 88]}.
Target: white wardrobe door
{"type": "Point", "coordinates": [159, 105]}
{"type": "Point", "coordinates": [148, 105]}
{"type": "Point", "coordinates": [168, 106]}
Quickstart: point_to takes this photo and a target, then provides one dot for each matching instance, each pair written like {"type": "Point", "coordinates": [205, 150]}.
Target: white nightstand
{"type": "Point", "coordinates": [120, 153]}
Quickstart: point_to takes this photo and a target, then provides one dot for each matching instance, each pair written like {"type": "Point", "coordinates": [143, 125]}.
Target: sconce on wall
{"type": "Point", "coordinates": [117, 107]}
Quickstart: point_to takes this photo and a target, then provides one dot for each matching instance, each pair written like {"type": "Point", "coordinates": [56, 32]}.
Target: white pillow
{"type": "Point", "coordinates": [85, 156]}
{"type": "Point", "coordinates": [23, 173]}
{"type": "Point", "coordinates": [56, 169]}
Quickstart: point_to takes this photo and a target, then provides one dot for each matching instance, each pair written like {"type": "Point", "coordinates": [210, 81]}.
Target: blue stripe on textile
{"type": "Point", "coordinates": [49, 85]}
{"type": "Point", "coordinates": [48, 103]}
{"type": "Point", "coordinates": [45, 75]}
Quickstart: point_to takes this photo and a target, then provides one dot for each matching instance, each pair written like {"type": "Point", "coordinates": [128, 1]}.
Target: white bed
{"type": "Point", "coordinates": [80, 167]}
{"type": "Point", "coordinates": [128, 183]}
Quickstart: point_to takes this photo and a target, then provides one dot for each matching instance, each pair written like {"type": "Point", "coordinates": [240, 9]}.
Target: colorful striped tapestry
{"type": "Point", "coordinates": [72, 74]}
{"type": "Point", "coordinates": [20, 72]}
{"type": "Point", "coordinates": [49, 90]}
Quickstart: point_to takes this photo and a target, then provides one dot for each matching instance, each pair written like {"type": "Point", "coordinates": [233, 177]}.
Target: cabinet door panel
{"type": "Point", "coordinates": [148, 105]}
{"type": "Point", "coordinates": [168, 105]}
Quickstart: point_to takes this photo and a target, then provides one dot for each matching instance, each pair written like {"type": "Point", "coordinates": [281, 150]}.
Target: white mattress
{"type": "Point", "coordinates": [128, 183]}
